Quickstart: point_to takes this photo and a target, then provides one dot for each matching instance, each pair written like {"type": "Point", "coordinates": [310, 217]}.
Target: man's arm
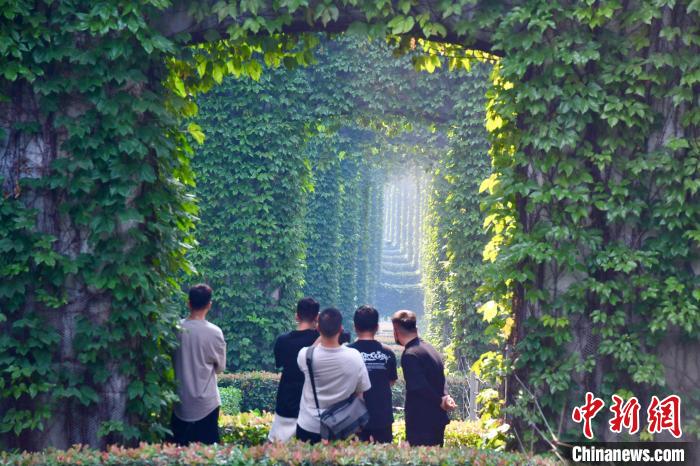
{"type": "Point", "coordinates": [391, 369]}
{"type": "Point", "coordinates": [301, 360]}
{"type": "Point", "coordinates": [448, 403]}
{"type": "Point", "coordinates": [416, 380]}
{"type": "Point", "coordinates": [220, 354]}
{"type": "Point", "coordinates": [276, 351]}
{"type": "Point", "coordinates": [363, 383]}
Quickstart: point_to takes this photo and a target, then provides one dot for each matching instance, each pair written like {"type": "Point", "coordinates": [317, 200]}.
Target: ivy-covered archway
{"type": "Point", "coordinates": [291, 183]}
{"type": "Point", "coordinates": [593, 206]}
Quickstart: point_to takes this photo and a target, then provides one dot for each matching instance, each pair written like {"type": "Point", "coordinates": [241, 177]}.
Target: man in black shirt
{"type": "Point", "coordinates": [286, 349]}
{"type": "Point", "coordinates": [427, 401]}
{"type": "Point", "coordinates": [380, 361]}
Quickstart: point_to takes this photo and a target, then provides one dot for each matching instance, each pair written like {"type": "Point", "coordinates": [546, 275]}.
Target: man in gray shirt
{"type": "Point", "coordinates": [200, 355]}
{"type": "Point", "coordinates": [339, 372]}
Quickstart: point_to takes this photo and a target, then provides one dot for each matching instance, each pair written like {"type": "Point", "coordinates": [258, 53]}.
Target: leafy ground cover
{"type": "Point", "coordinates": [293, 453]}
{"type": "Point", "coordinates": [251, 429]}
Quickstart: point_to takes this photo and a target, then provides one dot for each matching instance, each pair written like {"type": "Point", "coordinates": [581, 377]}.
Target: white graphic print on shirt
{"type": "Point", "coordinates": [375, 360]}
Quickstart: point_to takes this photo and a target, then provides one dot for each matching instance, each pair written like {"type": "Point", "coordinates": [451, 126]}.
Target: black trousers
{"type": "Point", "coordinates": [206, 430]}
{"type": "Point", "coordinates": [434, 436]}
{"type": "Point", "coordinates": [378, 434]}
{"type": "Point", "coordinates": [306, 436]}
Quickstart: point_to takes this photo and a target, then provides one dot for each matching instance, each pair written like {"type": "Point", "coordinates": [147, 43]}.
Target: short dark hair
{"type": "Point", "coordinates": [307, 309]}
{"type": "Point", "coordinates": [329, 322]}
{"type": "Point", "coordinates": [366, 319]}
{"type": "Point", "coordinates": [200, 296]}
{"type": "Point", "coordinates": [405, 321]}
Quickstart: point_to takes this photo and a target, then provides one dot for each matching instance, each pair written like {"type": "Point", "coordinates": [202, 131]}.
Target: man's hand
{"type": "Point", "coordinates": [448, 404]}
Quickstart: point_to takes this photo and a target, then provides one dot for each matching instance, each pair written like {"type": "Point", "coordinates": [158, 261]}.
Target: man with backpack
{"type": "Point", "coordinates": [338, 374]}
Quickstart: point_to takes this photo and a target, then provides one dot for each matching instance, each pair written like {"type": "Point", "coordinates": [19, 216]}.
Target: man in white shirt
{"type": "Point", "coordinates": [200, 355]}
{"type": "Point", "coordinates": [339, 372]}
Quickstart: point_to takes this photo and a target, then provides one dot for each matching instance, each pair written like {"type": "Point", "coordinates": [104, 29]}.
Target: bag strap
{"type": "Point", "coordinates": [309, 360]}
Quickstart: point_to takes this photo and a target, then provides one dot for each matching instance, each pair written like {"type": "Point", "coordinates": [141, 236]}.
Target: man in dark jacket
{"type": "Point", "coordinates": [427, 401]}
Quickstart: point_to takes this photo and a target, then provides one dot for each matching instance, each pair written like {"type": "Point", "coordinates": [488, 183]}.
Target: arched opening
{"type": "Point", "coordinates": [315, 180]}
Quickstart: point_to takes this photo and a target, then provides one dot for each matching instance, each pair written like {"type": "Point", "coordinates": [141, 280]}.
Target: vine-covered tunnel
{"type": "Point", "coordinates": [335, 210]}
{"type": "Point", "coordinates": [589, 209]}
{"type": "Point", "coordinates": [399, 285]}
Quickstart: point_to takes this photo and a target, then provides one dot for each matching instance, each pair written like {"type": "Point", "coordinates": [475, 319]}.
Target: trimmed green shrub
{"type": "Point", "coordinates": [245, 428]}
{"type": "Point", "coordinates": [293, 453]}
{"type": "Point", "coordinates": [258, 389]}
{"type": "Point", "coordinates": [457, 433]}
{"type": "Point", "coordinates": [249, 429]}
{"type": "Point", "coordinates": [230, 400]}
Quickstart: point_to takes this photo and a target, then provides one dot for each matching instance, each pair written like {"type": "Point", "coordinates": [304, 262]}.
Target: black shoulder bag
{"type": "Point", "coordinates": [342, 419]}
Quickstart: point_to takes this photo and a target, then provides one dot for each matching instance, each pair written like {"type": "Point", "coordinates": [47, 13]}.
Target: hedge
{"type": "Point", "coordinates": [249, 429]}
{"type": "Point", "coordinates": [245, 429]}
{"type": "Point", "coordinates": [259, 390]}
{"type": "Point", "coordinates": [230, 400]}
{"type": "Point", "coordinates": [293, 453]}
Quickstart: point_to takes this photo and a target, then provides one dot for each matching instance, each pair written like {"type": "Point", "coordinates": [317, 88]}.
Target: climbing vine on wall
{"type": "Point", "coordinates": [341, 243]}
{"type": "Point", "coordinates": [252, 183]}
{"type": "Point", "coordinates": [455, 238]}
{"type": "Point", "coordinates": [594, 214]}
{"type": "Point", "coordinates": [323, 224]}
{"type": "Point", "coordinates": [96, 214]}
{"type": "Point", "coordinates": [95, 218]}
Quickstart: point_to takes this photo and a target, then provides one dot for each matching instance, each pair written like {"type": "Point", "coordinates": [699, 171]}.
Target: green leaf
{"type": "Point", "coordinates": [489, 310]}
{"type": "Point", "coordinates": [179, 86]}
{"type": "Point", "coordinates": [218, 73]}
{"type": "Point", "coordinates": [358, 28]}
{"type": "Point", "coordinates": [196, 132]}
